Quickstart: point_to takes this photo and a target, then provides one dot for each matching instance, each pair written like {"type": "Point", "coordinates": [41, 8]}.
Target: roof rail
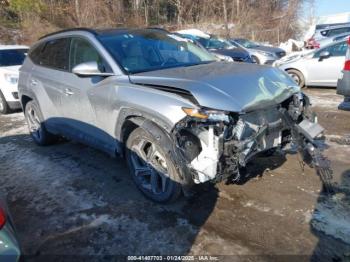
{"type": "Point", "coordinates": [70, 30]}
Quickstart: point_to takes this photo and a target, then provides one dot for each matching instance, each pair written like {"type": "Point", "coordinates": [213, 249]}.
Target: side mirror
{"type": "Point", "coordinates": [89, 69]}
{"type": "Point", "coordinates": [324, 55]}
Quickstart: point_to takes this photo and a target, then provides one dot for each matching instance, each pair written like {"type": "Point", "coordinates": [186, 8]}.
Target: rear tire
{"type": "Point", "coordinates": [36, 125]}
{"type": "Point", "coordinates": [4, 107]}
{"type": "Point", "coordinates": [151, 167]}
{"type": "Point", "coordinates": [297, 76]}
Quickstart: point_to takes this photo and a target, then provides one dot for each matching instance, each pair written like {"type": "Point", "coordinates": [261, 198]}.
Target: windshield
{"type": "Point", "coordinates": [12, 57]}
{"type": "Point", "coordinates": [142, 51]}
{"type": "Point", "coordinates": [246, 43]}
{"type": "Point", "coordinates": [216, 43]}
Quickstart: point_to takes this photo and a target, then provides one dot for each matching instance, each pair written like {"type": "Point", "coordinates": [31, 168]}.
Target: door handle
{"type": "Point", "coordinates": [33, 82]}
{"type": "Point", "coordinates": [68, 92]}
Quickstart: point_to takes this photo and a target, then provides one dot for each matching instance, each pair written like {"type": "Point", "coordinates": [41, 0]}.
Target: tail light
{"type": "Point", "coordinates": [2, 217]}
{"type": "Point", "coordinates": [312, 43]}
{"type": "Point", "coordinates": [347, 58]}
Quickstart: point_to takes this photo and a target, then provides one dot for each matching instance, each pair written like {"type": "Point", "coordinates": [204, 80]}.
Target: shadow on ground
{"type": "Point", "coordinates": [330, 221]}
{"type": "Point", "coordinates": [69, 199]}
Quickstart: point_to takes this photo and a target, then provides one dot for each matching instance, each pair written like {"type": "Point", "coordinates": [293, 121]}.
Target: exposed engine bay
{"type": "Point", "coordinates": [216, 148]}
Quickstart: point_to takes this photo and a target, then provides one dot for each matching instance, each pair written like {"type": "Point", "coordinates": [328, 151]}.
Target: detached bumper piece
{"type": "Point", "coordinates": [322, 167]}
{"type": "Point", "coordinates": [310, 129]}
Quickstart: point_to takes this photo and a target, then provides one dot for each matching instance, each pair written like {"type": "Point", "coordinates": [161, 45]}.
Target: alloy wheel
{"type": "Point", "coordinates": [34, 122]}
{"type": "Point", "coordinates": [150, 168]}
{"type": "Point", "coordinates": [295, 78]}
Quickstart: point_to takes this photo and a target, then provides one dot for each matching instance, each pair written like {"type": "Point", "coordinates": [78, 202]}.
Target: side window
{"type": "Point", "coordinates": [335, 50]}
{"type": "Point", "coordinates": [55, 54]}
{"type": "Point", "coordinates": [81, 51]}
{"type": "Point", "coordinates": [338, 31]}
{"type": "Point", "coordinates": [35, 53]}
{"type": "Point", "coordinates": [339, 49]}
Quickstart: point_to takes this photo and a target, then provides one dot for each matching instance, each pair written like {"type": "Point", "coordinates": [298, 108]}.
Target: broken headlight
{"type": "Point", "coordinates": [207, 114]}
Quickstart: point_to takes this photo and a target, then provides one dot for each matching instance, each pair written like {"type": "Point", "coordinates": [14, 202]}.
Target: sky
{"type": "Point", "coordinates": [328, 7]}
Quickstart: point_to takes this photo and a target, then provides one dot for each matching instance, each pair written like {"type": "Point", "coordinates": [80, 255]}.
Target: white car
{"type": "Point", "coordinates": [11, 59]}
{"type": "Point", "coordinates": [321, 67]}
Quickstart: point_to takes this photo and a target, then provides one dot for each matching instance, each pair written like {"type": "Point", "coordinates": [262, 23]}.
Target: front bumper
{"type": "Point", "coordinates": [14, 105]}
{"type": "Point", "coordinates": [214, 151]}
{"type": "Point", "coordinates": [10, 92]}
{"type": "Point", "coordinates": [265, 60]}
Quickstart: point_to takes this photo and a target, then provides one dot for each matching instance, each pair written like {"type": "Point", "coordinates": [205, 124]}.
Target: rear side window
{"type": "Point", "coordinates": [52, 54]}
{"type": "Point", "coordinates": [338, 31]}
{"type": "Point", "coordinates": [35, 53]}
{"type": "Point", "coordinates": [334, 50]}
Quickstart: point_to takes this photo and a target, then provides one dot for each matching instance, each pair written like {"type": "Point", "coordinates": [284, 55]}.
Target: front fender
{"type": "Point", "coordinates": [131, 113]}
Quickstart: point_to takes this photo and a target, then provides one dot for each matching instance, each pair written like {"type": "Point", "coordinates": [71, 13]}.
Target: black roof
{"type": "Point", "coordinates": [107, 31]}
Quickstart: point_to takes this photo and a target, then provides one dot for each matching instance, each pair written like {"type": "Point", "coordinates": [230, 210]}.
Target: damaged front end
{"type": "Point", "coordinates": [216, 144]}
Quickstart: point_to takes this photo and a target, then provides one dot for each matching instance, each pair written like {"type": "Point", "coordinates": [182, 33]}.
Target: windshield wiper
{"type": "Point", "coordinates": [199, 63]}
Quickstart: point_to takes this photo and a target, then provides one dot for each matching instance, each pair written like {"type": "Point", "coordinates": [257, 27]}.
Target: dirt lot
{"type": "Point", "coordinates": [69, 199]}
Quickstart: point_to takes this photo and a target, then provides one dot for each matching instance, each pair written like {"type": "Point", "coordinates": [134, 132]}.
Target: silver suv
{"type": "Point", "coordinates": [177, 115]}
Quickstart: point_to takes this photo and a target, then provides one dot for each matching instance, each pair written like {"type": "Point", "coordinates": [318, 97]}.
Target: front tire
{"type": "Point", "coordinates": [151, 167]}
{"type": "Point", "coordinates": [36, 125]}
{"type": "Point", "coordinates": [256, 60]}
{"type": "Point", "coordinates": [4, 107]}
{"type": "Point", "coordinates": [297, 76]}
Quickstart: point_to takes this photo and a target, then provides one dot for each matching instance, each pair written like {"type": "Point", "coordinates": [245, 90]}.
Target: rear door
{"type": "Point", "coordinates": [326, 72]}
{"type": "Point", "coordinates": [51, 62]}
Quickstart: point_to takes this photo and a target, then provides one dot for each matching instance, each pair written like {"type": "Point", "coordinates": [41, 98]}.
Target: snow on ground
{"type": "Point", "coordinates": [326, 99]}
{"type": "Point", "coordinates": [332, 216]}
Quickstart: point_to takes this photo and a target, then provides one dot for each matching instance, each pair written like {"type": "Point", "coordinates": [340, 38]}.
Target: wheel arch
{"type": "Point", "coordinates": [131, 122]}
{"type": "Point", "coordinates": [24, 101]}
{"type": "Point", "coordinates": [160, 133]}
{"type": "Point", "coordinates": [129, 118]}
{"type": "Point", "coordinates": [301, 71]}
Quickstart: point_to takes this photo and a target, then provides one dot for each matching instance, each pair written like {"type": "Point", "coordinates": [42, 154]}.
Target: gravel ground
{"type": "Point", "coordinates": [69, 199]}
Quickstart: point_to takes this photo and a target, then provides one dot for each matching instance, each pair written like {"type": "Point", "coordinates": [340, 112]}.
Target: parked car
{"type": "Point", "coordinates": [221, 47]}
{"type": "Point", "coordinates": [219, 57]}
{"type": "Point", "coordinates": [329, 40]}
{"type": "Point", "coordinates": [9, 247]}
{"type": "Point", "coordinates": [11, 59]}
{"type": "Point", "coordinates": [264, 55]}
{"type": "Point", "coordinates": [179, 116]}
{"type": "Point", "coordinates": [343, 85]}
{"type": "Point", "coordinates": [326, 31]}
{"type": "Point", "coordinates": [321, 67]}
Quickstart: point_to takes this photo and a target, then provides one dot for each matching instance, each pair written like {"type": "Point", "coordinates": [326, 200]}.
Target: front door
{"type": "Point", "coordinates": [326, 71]}
{"type": "Point", "coordinates": [83, 94]}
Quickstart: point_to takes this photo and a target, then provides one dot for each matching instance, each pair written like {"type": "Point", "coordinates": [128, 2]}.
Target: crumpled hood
{"type": "Point", "coordinates": [235, 87]}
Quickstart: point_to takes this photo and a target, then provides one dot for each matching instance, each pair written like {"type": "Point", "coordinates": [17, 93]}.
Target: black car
{"type": "Point", "coordinates": [221, 47]}
{"type": "Point", "coordinates": [278, 52]}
